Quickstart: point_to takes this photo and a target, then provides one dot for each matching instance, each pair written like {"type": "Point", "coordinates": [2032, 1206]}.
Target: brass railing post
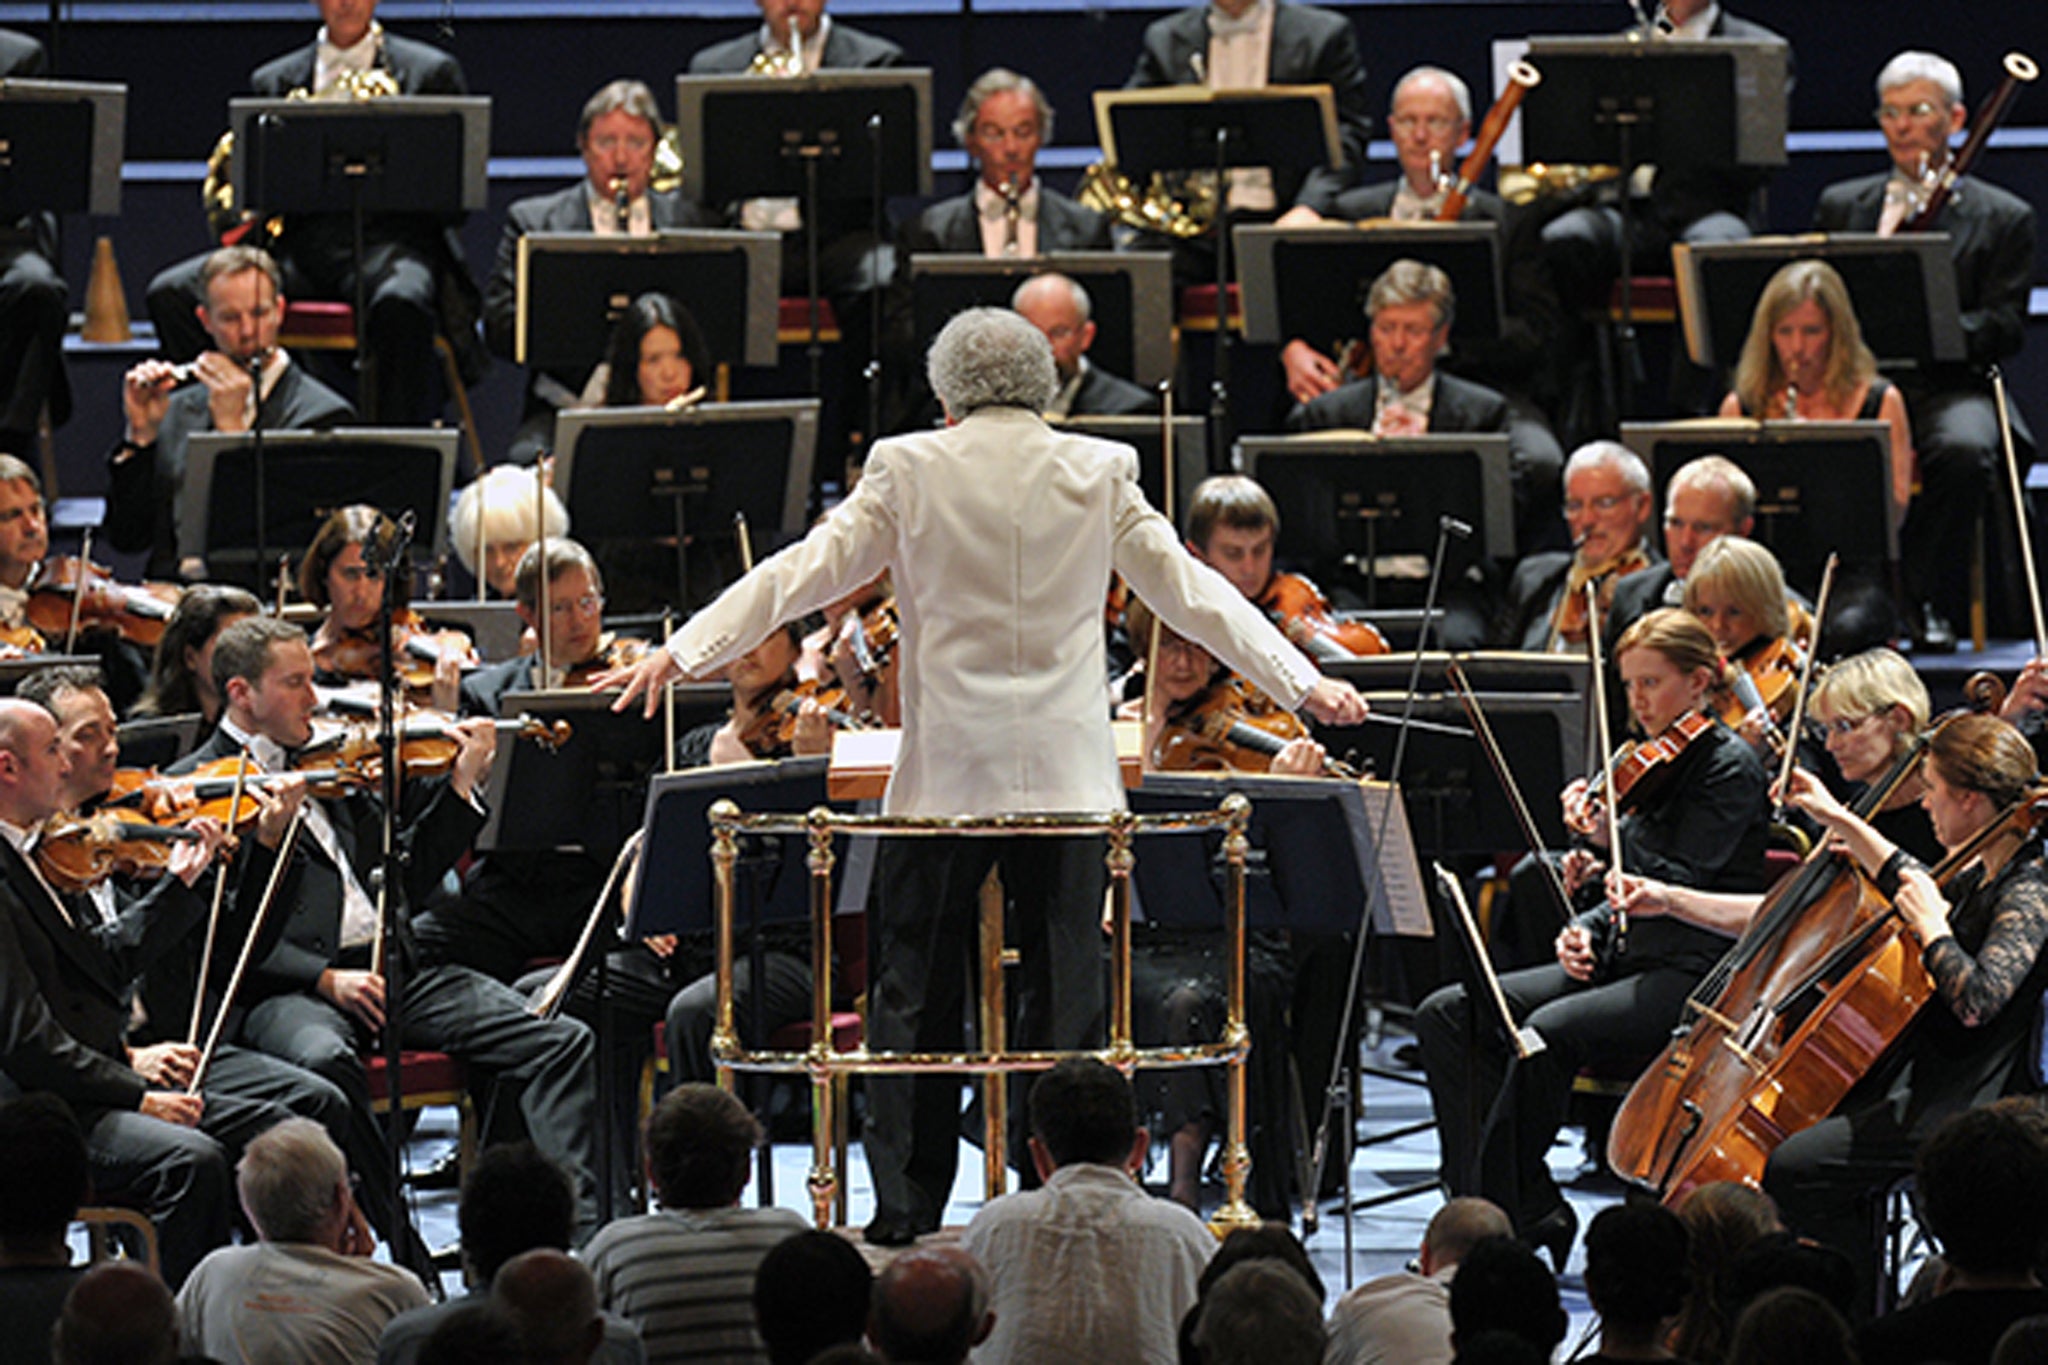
{"type": "Point", "coordinates": [1237, 1161]}
{"type": "Point", "coordinates": [995, 1038]}
{"type": "Point", "coordinates": [1120, 859]}
{"type": "Point", "coordinates": [824, 1178]}
{"type": "Point", "coordinates": [725, 852]}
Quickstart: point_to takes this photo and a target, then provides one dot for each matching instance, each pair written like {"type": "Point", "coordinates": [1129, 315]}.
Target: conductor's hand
{"type": "Point", "coordinates": [1335, 702]}
{"type": "Point", "coordinates": [359, 993]}
{"type": "Point", "coordinates": [642, 681]}
{"type": "Point", "coordinates": [183, 1110]}
{"type": "Point", "coordinates": [1575, 952]}
{"type": "Point", "coordinates": [1310, 373]}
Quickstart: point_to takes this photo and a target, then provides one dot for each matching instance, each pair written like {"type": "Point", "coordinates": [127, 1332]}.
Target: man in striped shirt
{"type": "Point", "coordinates": [684, 1275]}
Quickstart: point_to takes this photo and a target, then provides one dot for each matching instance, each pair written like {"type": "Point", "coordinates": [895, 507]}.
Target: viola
{"type": "Point", "coordinates": [71, 588]}
{"type": "Point", "coordinates": [427, 744]}
{"type": "Point", "coordinates": [77, 853]}
{"type": "Point", "coordinates": [1642, 772]}
{"type": "Point", "coordinates": [1230, 727]}
{"type": "Point", "coordinates": [1303, 614]}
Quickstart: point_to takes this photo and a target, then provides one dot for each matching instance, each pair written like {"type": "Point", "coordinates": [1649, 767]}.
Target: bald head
{"type": "Point", "coordinates": [31, 768]}
{"type": "Point", "coordinates": [117, 1314]}
{"type": "Point", "coordinates": [554, 1301]}
{"type": "Point", "coordinates": [931, 1304]}
{"type": "Point", "coordinates": [1459, 1226]}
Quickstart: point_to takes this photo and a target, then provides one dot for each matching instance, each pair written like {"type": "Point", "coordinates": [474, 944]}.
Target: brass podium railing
{"type": "Point", "coordinates": [825, 1065]}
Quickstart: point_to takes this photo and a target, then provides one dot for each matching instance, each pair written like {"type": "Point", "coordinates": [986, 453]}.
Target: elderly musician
{"type": "Point", "coordinates": [1060, 308]}
{"type": "Point", "coordinates": [995, 723]}
{"type": "Point", "coordinates": [1607, 506]}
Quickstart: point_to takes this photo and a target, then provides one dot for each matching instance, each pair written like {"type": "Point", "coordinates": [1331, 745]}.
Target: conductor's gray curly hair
{"type": "Point", "coordinates": [991, 358]}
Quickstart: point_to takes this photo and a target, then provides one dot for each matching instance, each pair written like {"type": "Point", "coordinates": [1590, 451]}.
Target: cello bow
{"type": "Point", "coordinates": [1526, 1042]}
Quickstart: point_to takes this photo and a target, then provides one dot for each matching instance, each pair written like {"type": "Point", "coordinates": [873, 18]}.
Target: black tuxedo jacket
{"type": "Point", "coordinates": [435, 829]}
{"type": "Point", "coordinates": [419, 70]}
{"type": "Point", "coordinates": [564, 210]}
{"type": "Point", "coordinates": [845, 48]}
{"type": "Point", "coordinates": [1103, 394]}
{"type": "Point", "coordinates": [146, 490]}
{"type": "Point", "coordinates": [1992, 233]}
{"type": "Point", "coordinates": [952, 225]}
{"type": "Point", "coordinates": [1310, 47]}
{"type": "Point", "coordinates": [1458, 406]}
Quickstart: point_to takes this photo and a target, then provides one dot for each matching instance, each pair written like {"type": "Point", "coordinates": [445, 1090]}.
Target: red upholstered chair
{"type": "Point", "coordinates": [427, 1079]}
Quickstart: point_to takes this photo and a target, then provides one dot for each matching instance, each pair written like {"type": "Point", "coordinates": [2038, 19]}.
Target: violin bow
{"type": "Point", "coordinates": [1495, 755]}
{"type": "Point", "coordinates": [2019, 505]}
{"type": "Point", "coordinates": [285, 848]}
{"type": "Point", "coordinates": [1606, 738]}
{"type": "Point", "coordinates": [553, 996]}
{"type": "Point", "coordinates": [220, 886]}
{"type": "Point", "coordinates": [1527, 1042]}
{"type": "Point", "coordinates": [1798, 718]}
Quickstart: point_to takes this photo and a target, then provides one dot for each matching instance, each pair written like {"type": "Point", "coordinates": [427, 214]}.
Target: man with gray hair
{"type": "Point", "coordinates": [1607, 507]}
{"type": "Point", "coordinates": [930, 1306]}
{"type": "Point", "coordinates": [308, 1291]}
{"type": "Point", "coordinates": [1060, 308]}
{"type": "Point", "coordinates": [1405, 1318]}
{"type": "Point", "coordinates": [1991, 236]}
{"type": "Point", "coordinates": [616, 135]}
{"type": "Point", "coordinates": [1001, 534]}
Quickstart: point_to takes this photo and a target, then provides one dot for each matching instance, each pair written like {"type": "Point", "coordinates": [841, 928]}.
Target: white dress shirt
{"type": "Point", "coordinates": [358, 911]}
{"type": "Point", "coordinates": [994, 216]}
{"type": "Point", "coordinates": [1241, 58]}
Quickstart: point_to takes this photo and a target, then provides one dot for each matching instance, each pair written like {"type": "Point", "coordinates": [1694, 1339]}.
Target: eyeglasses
{"type": "Point", "coordinates": [1819, 730]}
{"type": "Point", "coordinates": [1435, 123]}
{"type": "Point", "coordinates": [1892, 113]}
{"type": "Point", "coordinates": [1606, 502]}
{"type": "Point", "coordinates": [589, 604]}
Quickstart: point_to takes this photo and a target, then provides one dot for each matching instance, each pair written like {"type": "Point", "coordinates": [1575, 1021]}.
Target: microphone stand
{"type": "Point", "coordinates": [1337, 1097]}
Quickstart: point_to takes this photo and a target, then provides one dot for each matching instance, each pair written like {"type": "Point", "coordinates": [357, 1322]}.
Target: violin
{"type": "Point", "coordinates": [209, 790]}
{"type": "Point", "coordinates": [772, 730]}
{"type": "Point", "coordinates": [416, 653]}
{"type": "Point", "coordinates": [1773, 668]}
{"type": "Point", "coordinates": [77, 853]}
{"type": "Point", "coordinates": [1304, 616]}
{"type": "Point", "coordinates": [1641, 773]}
{"type": "Point", "coordinates": [69, 587]}
{"type": "Point", "coordinates": [16, 641]}
{"type": "Point", "coordinates": [613, 651]}
{"type": "Point", "coordinates": [1231, 727]}
{"type": "Point", "coordinates": [427, 744]}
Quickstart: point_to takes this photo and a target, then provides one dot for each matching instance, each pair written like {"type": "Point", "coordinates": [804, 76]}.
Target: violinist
{"type": "Point", "coordinates": [1709, 496]}
{"type": "Point", "coordinates": [502, 513]}
{"type": "Point", "coordinates": [1232, 527]}
{"type": "Point", "coordinates": [577, 640]}
{"type": "Point", "coordinates": [1609, 998]}
{"type": "Point", "coordinates": [24, 540]}
{"type": "Point", "coordinates": [1607, 507]}
{"type": "Point", "coordinates": [181, 680]}
{"type": "Point", "coordinates": [1192, 684]}
{"type": "Point", "coordinates": [770, 718]}
{"type": "Point", "coordinates": [339, 573]}
{"type": "Point", "coordinates": [242, 309]}
{"type": "Point", "coordinates": [317, 996]}
{"type": "Point", "coordinates": [1736, 588]}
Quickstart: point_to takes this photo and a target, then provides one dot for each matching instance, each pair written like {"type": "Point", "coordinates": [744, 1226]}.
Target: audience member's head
{"type": "Point", "coordinates": [1982, 1183]}
{"type": "Point", "coordinates": [1260, 1313]}
{"type": "Point", "coordinates": [293, 1182]}
{"type": "Point", "coordinates": [699, 1142]}
{"type": "Point", "coordinates": [1635, 1268]}
{"type": "Point", "coordinates": [1780, 1260]}
{"type": "Point", "coordinates": [1501, 1286]}
{"type": "Point", "coordinates": [1720, 1219]}
{"type": "Point", "coordinates": [1500, 1348]}
{"type": "Point", "coordinates": [812, 1291]}
{"type": "Point", "coordinates": [117, 1314]}
{"type": "Point", "coordinates": [1791, 1326]}
{"type": "Point", "coordinates": [1265, 1242]}
{"type": "Point", "coordinates": [2023, 1343]}
{"type": "Point", "coordinates": [478, 1332]}
{"type": "Point", "coordinates": [552, 1300]}
{"type": "Point", "coordinates": [44, 1177]}
{"type": "Point", "coordinates": [930, 1306]}
{"type": "Point", "coordinates": [515, 1200]}
{"type": "Point", "coordinates": [1457, 1227]}
{"type": "Point", "coordinates": [1083, 1111]}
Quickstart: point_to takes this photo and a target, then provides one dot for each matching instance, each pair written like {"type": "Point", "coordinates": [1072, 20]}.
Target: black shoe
{"type": "Point", "coordinates": [444, 1174]}
{"type": "Point", "coordinates": [891, 1230]}
{"type": "Point", "coordinates": [1931, 631]}
{"type": "Point", "coordinates": [1554, 1233]}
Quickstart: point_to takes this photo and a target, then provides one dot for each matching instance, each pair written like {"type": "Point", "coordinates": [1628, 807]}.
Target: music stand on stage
{"type": "Point", "coordinates": [651, 475]}
{"type": "Point", "coordinates": [495, 627]}
{"type": "Point", "coordinates": [1715, 102]}
{"type": "Point", "coordinates": [582, 284]}
{"type": "Point", "coordinates": [1195, 128]}
{"type": "Point", "coordinates": [1351, 497]}
{"type": "Point", "coordinates": [1904, 289]}
{"type": "Point", "coordinates": [1190, 454]}
{"type": "Point", "coordinates": [397, 469]}
{"type": "Point", "coordinates": [158, 741]}
{"type": "Point", "coordinates": [1820, 486]}
{"type": "Point", "coordinates": [1130, 297]}
{"type": "Point", "coordinates": [61, 146]}
{"type": "Point", "coordinates": [843, 134]}
{"type": "Point", "coordinates": [1311, 282]}
{"type": "Point", "coordinates": [405, 154]}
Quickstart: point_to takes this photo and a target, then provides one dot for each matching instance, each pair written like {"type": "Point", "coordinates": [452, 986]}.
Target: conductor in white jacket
{"type": "Point", "coordinates": [1000, 534]}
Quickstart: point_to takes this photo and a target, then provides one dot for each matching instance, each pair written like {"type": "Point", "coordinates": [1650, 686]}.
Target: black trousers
{"type": "Point", "coordinates": [33, 312]}
{"type": "Point", "coordinates": [1619, 1022]}
{"type": "Point", "coordinates": [925, 930]}
{"type": "Point", "coordinates": [1955, 437]}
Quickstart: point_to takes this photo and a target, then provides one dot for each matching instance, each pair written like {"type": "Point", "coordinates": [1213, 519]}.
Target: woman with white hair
{"type": "Point", "coordinates": [497, 517]}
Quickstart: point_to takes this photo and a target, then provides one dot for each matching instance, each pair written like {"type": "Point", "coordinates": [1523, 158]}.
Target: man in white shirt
{"type": "Point", "coordinates": [1090, 1267]}
{"type": "Point", "coordinates": [308, 1291]}
{"type": "Point", "coordinates": [1405, 1318]}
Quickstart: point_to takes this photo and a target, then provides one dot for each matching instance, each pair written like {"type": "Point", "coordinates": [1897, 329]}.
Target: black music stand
{"type": "Point", "coordinates": [1903, 287]}
{"type": "Point", "coordinates": [60, 147]}
{"type": "Point", "coordinates": [494, 627]}
{"type": "Point", "coordinates": [1311, 282]}
{"type": "Point", "coordinates": [1130, 296]}
{"type": "Point", "coordinates": [1143, 434]}
{"type": "Point", "coordinates": [582, 284]}
{"type": "Point", "coordinates": [1194, 128]}
{"type": "Point", "coordinates": [407, 154]}
{"type": "Point", "coordinates": [1353, 499]}
{"type": "Point", "coordinates": [158, 741]}
{"type": "Point", "coordinates": [833, 134]}
{"type": "Point", "coordinates": [1625, 102]}
{"type": "Point", "coordinates": [398, 469]}
{"type": "Point", "coordinates": [1821, 487]}
{"type": "Point", "coordinates": [648, 476]}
